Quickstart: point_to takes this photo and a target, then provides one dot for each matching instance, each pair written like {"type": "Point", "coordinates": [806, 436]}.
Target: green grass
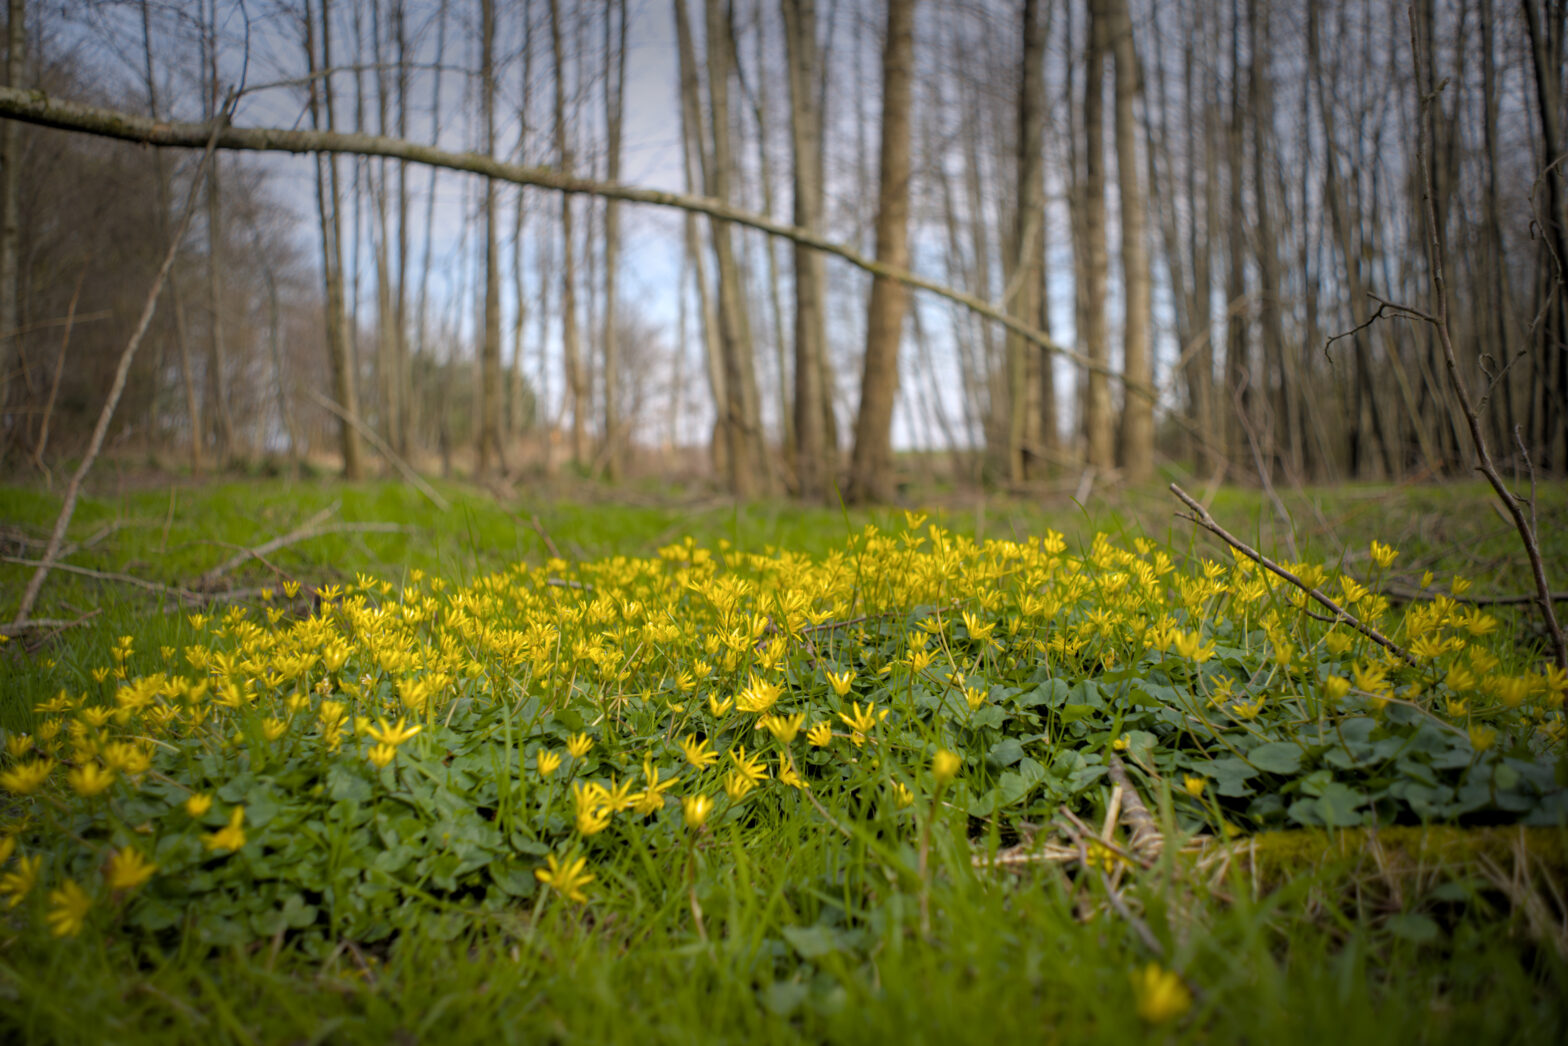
{"type": "Point", "coordinates": [806, 935]}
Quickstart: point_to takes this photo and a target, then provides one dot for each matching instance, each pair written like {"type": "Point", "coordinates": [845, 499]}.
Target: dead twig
{"type": "Point", "coordinates": [1207, 522]}
{"type": "Point", "coordinates": [302, 532]}
{"type": "Point", "coordinates": [101, 575]}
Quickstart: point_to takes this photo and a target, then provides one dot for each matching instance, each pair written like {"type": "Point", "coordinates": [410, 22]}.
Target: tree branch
{"type": "Point", "coordinates": [36, 107]}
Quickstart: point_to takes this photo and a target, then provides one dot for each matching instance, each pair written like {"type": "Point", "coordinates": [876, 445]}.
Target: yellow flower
{"type": "Point", "coordinates": [841, 682]}
{"type": "Point", "coordinates": [1160, 994]}
{"type": "Point", "coordinates": [1482, 737]}
{"type": "Point", "coordinates": [68, 908]}
{"type": "Point", "coordinates": [7, 847]}
{"type": "Point", "coordinates": [787, 774]}
{"type": "Point", "coordinates": [1122, 743]}
{"type": "Point", "coordinates": [758, 696]}
{"type": "Point", "coordinates": [18, 882]}
{"type": "Point", "coordinates": [1102, 857]}
{"type": "Point", "coordinates": [719, 705]}
{"type": "Point", "coordinates": [945, 766]}
{"type": "Point", "coordinates": [198, 804]}
{"type": "Point", "coordinates": [862, 721]}
{"type": "Point", "coordinates": [902, 796]}
{"type": "Point", "coordinates": [696, 808]}
{"type": "Point", "coordinates": [1191, 646]}
{"type": "Point", "coordinates": [975, 697]}
{"type": "Point", "coordinates": [1383, 555]}
{"type": "Point", "coordinates": [1373, 679]}
{"type": "Point", "coordinates": [89, 780]}
{"type": "Point", "coordinates": [1193, 785]}
{"type": "Point", "coordinates": [1335, 687]}
{"type": "Point", "coordinates": [127, 869]}
{"type": "Point", "coordinates": [698, 753]}
{"type": "Point", "coordinates": [737, 785]}
{"type": "Point", "coordinates": [567, 879]}
{"type": "Point", "coordinates": [393, 735]}
{"type": "Point", "coordinates": [126, 757]}
{"type": "Point", "coordinates": [578, 745]}
{"type": "Point", "coordinates": [820, 735]}
{"type": "Point", "coordinates": [230, 837]}
{"type": "Point", "coordinates": [747, 766]}
{"type": "Point", "coordinates": [546, 762]}
{"type": "Point", "coordinates": [24, 778]}
{"type": "Point", "coordinates": [381, 754]}
{"type": "Point", "coordinates": [591, 820]}
{"type": "Point", "coordinates": [783, 727]}
{"type": "Point", "coordinates": [977, 630]}
{"type": "Point", "coordinates": [17, 745]}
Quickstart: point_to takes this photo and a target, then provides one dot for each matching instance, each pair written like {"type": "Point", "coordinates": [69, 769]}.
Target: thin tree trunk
{"type": "Point", "coordinates": [10, 212]}
{"type": "Point", "coordinates": [329, 210]}
{"type": "Point", "coordinates": [1026, 410]}
{"type": "Point", "coordinates": [814, 453]}
{"type": "Point", "coordinates": [490, 351]}
{"type": "Point", "coordinates": [1137, 434]}
{"type": "Point", "coordinates": [871, 470]}
{"type": "Point", "coordinates": [1097, 422]}
{"type": "Point", "coordinates": [576, 383]}
{"type": "Point", "coordinates": [614, 104]}
{"type": "Point", "coordinates": [217, 363]}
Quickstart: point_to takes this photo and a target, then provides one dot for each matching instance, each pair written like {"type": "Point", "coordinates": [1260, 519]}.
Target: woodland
{"type": "Point", "coordinates": [783, 520]}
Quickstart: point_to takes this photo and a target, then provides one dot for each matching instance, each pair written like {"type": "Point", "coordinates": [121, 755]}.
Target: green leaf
{"type": "Point", "coordinates": [1418, 929]}
{"type": "Point", "coordinates": [1276, 757]}
{"type": "Point", "coordinates": [1006, 752]}
{"type": "Point", "coordinates": [812, 942]}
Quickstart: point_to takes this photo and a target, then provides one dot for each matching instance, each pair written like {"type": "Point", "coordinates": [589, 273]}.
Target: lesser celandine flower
{"type": "Point", "coordinates": [1482, 737]}
{"type": "Point", "coordinates": [546, 762]}
{"type": "Point", "coordinates": [1122, 743]}
{"type": "Point", "coordinates": [381, 754]}
{"type": "Point", "coordinates": [841, 682]}
{"type": "Point", "coordinates": [1193, 785]}
{"type": "Point", "coordinates": [783, 727]}
{"type": "Point", "coordinates": [737, 785]}
{"type": "Point", "coordinates": [1383, 555]}
{"type": "Point", "coordinates": [696, 808]}
{"type": "Point", "coordinates": [820, 735]}
{"type": "Point", "coordinates": [787, 774]}
{"type": "Point", "coordinates": [902, 796]}
{"type": "Point", "coordinates": [393, 735]}
{"type": "Point", "coordinates": [758, 696]}
{"type": "Point", "coordinates": [1160, 994]}
{"type": "Point", "coordinates": [89, 780]}
{"type": "Point", "coordinates": [974, 697]}
{"type": "Point", "coordinates": [198, 804]}
{"type": "Point", "coordinates": [699, 754]}
{"type": "Point", "coordinates": [748, 766]}
{"type": "Point", "coordinates": [945, 766]}
{"type": "Point", "coordinates": [24, 778]}
{"type": "Point", "coordinates": [68, 908]}
{"type": "Point", "coordinates": [229, 837]}
{"type": "Point", "coordinates": [127, 869]}
{"type": "Point", "coordinates": [18, 882]}
{"type": "Point", "coordinates": [578, 745]}
{"type": "Point", "coordinates": [566, 879]}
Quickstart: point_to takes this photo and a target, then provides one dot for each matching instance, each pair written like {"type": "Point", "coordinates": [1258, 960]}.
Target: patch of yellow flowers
{"type": "Point", "coordinates": [751, 668]}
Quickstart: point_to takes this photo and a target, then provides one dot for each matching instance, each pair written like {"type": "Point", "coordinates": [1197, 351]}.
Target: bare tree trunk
{"type": "Point", "coordinates": [329, 210]}
{"type": "Point", "coordinates": [1278, 368]}
{"type": "Point", "coordinates": [165, 220]}
{"type": "Point", "coordinates": [814, 453]}
{"type": "Point", "coordinates": [1098, 434]}
{"type": "Point", "coordinates": [748, 459]}
{"type": "Point", "coordinates": [614, 104]}
{"type": "Point", "coordinates": [871, 469]}
{"type": "Point", "coordinates": [10, 208]}
{"type": "Point", "coordinates": [279, 374]}
{"type": "Point", "coordinates": [217, 364]}
{"type": "Point", "coordinates": [422, 300]}
{"type": "Point", "coordinates": [399, 425]}
{"type": "Point", "coordinates": [764, 118]}
{"type": "Point", "coordinates": [1027, 413]}
{"type": "Point", "coordinates": [1236, 404]}
{"type": "Point", "coordinates": [490, 351]}
{"type": "Point", "coordinates": [1137, 435]}
{"type": "Point", "coordinates": [576, 383]}
{"type": "Point", "coordinates": [1544, 20]}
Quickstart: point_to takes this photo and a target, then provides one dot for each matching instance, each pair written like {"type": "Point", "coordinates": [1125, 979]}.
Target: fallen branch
{"type": "Point", "coordinates": [101, 575]}
{"type": "Point", "coordinates": [48, 624]}
{"type": "Point", "coordinates": [385, 451]}
{"type": "Point", "coordinates": [306, 530]}
{"type": "Point", "coordinates": [1207, 522]}
{"type": "Point", "coordinates": [1143, 832]}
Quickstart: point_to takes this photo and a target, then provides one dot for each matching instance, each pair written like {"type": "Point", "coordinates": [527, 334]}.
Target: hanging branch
{"type": "Point", "coordinates": [101, 430]}
{"type": "Point", "coordinates": [35, 107]}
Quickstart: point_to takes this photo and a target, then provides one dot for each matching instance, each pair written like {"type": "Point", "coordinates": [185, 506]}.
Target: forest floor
{"type": "Point", "coordinates": [309, 761]}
